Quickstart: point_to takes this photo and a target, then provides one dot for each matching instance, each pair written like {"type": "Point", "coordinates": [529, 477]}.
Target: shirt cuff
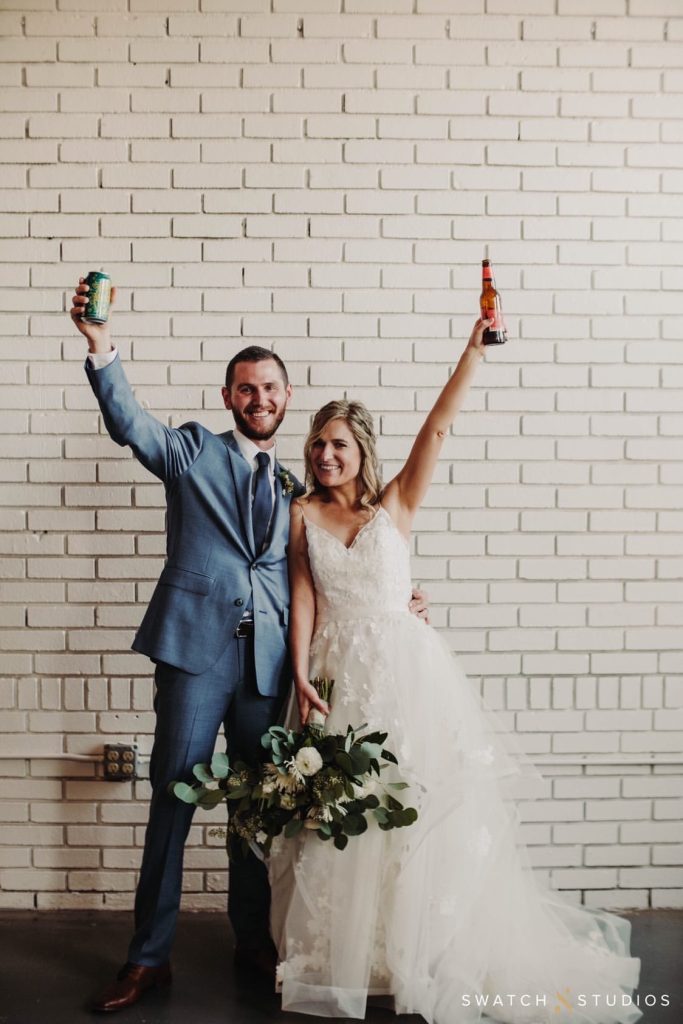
{"type": "Point", "coordinates": [98, 360]}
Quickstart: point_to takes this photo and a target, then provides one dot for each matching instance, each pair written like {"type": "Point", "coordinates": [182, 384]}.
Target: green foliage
{"type": "Point", "coordinates": [293, 827]}
{"type": "Point", "coordinates": [188, 794]}
{"type": "Point", "coordinates": [220, 766]}
{"type": "Point", "coordinates": [334, 788]}
{"type": "Point", "coordinates": [209, 798]}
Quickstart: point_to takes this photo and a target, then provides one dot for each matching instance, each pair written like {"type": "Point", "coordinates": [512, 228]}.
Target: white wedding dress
{"type": "Point", "coordinates": [446, 915]}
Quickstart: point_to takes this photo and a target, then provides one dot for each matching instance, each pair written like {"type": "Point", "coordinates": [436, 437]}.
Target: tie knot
{"type": "Point", "coordinates": [263, 458]}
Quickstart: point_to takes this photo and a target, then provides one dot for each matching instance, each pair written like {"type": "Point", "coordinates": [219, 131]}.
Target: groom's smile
{"type": "Point", "coordinates": [257, 398]}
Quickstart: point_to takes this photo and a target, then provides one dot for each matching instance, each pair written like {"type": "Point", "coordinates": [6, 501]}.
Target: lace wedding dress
{"type": "Point", "coordinates": [446, 915]}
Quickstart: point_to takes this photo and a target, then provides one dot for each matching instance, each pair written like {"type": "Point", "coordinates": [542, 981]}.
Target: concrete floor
{"type": "Point", "coordinates": [51, 962]}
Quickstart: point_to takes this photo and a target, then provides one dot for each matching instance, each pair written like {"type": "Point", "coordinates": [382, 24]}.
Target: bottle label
{"type": "Point", "coordinates": [496, 315]}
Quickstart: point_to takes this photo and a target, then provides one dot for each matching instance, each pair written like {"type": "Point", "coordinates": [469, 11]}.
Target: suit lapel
{"type": "Point", "coordinates": [241, 472]}
{"type": "Point", "coordinates": [281, 511]}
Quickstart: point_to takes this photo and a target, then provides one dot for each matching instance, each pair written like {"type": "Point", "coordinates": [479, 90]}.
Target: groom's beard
{"type": "Point", "coordinates": [255, 433]}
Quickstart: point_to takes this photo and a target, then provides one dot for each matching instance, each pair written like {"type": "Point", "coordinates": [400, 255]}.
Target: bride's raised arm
{"type": "Point", "coordinates": [403, 495]}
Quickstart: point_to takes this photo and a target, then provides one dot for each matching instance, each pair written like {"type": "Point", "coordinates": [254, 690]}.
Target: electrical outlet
{"type": "Point", "coordinates": [120, 762]}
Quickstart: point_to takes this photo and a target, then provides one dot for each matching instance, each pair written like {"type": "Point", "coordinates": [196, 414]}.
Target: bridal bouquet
{"type": "Point", "coordinates": [328, 783]}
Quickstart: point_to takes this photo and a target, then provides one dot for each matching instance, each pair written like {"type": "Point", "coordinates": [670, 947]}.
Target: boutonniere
{"type": "Point", "coordinates": [286, 481]}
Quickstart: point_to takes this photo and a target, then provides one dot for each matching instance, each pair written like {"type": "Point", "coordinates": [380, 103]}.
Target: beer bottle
{"type": "Point", "coordinates": [490, 305]}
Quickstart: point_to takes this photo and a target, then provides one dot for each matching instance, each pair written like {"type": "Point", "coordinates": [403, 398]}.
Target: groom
{"type": "Point", "coordinates": [216, 628]}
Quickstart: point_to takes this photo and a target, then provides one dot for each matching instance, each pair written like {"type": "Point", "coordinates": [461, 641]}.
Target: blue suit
{"type": "Point", "coordinates": [205, 676]}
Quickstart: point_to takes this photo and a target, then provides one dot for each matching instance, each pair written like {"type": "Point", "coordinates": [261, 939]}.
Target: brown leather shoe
{"type": "Point", "coordinates": [132, 981]}
{"type": "Point", "coordinates": [261, 960]}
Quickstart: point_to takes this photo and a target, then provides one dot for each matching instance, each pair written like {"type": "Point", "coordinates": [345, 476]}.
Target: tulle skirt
{"type": "Point", "coordinates": [445, 916]}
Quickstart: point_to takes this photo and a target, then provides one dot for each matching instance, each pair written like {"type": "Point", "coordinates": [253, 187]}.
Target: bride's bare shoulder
{"type": "Point", "coordinates": [306, 502]}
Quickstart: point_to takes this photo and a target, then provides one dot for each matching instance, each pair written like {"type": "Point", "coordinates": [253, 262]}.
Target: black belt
{"type": "Point", "coordinates": [244, 629]}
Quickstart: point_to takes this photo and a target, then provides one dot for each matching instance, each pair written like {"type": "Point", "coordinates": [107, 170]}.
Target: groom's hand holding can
{"type": "Point", "coordinates": [97, 334]}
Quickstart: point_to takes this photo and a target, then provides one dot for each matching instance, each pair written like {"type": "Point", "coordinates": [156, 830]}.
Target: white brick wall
{"type": "Point", "coordinates": [324, 177]}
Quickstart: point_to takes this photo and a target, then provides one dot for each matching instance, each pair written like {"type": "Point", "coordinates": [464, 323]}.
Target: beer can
{"type": "Point", "coordinates": [97, 309]}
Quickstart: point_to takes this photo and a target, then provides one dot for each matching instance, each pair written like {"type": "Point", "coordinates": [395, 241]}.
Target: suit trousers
{"type": "Point", "coordinates": [190, 710]}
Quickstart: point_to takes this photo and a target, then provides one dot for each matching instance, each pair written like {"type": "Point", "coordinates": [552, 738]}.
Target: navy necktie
{"type": "Point", "coordinates": [262, 505]}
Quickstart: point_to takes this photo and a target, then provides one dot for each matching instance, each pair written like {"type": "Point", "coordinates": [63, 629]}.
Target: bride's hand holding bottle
{"type": "Point", "coordinates": [476, 341]}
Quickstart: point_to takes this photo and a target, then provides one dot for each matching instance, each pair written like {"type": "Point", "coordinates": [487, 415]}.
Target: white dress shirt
{"type": "Point", "coordinates": [100, 359]}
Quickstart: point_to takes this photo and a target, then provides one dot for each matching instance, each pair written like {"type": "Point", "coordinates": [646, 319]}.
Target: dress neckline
{"type": "Point", "coordinates": [347, 547]}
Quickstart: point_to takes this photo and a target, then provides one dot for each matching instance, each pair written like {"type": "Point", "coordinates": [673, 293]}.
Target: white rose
{"type": "Point", "coordinates": [308, 761]}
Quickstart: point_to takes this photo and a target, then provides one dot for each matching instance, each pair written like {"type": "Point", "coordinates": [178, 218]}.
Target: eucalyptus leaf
{"type": "Point", "coordinates": [293, 827]}
{"type": "Point", "coordinates": [278, 730]}
{"type": "Point", "coordinates": [211, 798]}
{"type": "Point", "coordinates": [345, 763]}
{"type": "Point", "coordinates": [373, 750]}
{"type": "Point", "coordinates": [188, 794]}
{"type": "Point", "coordinates": [327, 748]}
{"type": "Point", "coordinates": [237, 794]}
{"type": "Point", "coordinates": [220, 766]}
{"type": "Point", "coordinates": [360, 761]}
{"type": "Point", "coordinates": [354, 825]}
{"type": "Point", "coordinates": [201, 772]}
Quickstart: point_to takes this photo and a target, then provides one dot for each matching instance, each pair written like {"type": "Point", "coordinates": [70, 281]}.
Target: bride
{"type": "Point", "coordinates": [446, 916]}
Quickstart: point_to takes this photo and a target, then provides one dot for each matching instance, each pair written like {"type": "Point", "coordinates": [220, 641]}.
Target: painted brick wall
{"type": "Point", "coordinates": [324, 176]}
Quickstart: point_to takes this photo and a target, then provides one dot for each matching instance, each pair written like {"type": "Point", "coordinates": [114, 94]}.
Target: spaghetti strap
{"type": "Point", "coordinates": [297, 504]}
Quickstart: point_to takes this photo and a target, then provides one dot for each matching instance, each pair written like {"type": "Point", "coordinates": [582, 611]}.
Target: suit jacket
{"type": "Point", "coordinates": [212, 568]}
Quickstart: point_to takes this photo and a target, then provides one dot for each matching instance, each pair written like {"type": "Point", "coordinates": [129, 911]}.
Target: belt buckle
{"type": "Point", "coordinates": [244, 629]}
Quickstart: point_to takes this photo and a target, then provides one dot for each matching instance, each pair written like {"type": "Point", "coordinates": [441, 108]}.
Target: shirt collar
{"type": "Point", "coordinates": [250, 450]}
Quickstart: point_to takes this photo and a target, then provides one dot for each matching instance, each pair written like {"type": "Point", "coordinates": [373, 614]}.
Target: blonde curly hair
{"type": "Point", "coordinates": [359, 421]}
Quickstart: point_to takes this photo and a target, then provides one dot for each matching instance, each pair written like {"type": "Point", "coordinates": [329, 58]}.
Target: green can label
{"type": "Point", "coordinates": [97, 309]}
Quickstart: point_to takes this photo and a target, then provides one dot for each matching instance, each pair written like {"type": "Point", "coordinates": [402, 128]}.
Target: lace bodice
{"type": "Point", "coordinates": [369, 579]}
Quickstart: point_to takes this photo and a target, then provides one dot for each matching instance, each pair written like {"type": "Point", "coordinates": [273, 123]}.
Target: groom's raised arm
{"type": "Point", "coordinates": [165, 451]}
